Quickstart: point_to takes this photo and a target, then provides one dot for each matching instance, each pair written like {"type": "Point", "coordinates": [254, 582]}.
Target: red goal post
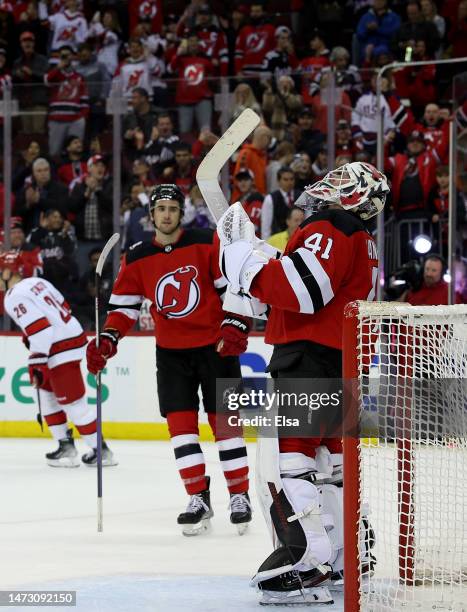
{"type": "Point", "coordinates": [405, 470]}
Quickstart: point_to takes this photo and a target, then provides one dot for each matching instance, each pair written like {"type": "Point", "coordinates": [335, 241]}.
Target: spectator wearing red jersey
{"type": "Point", "coordinates": [193, 96]}
{"type": "Point", "coordinates": [418, 83]}
{"type": "Point", "coordinates": [343, 105]}
{"type": "Point", "coordinates": [254, 157]}
{"type": "Point", "coordinates": [434, 289]}
{"type": "Point", "coordinates": [254, 41]}
{"type": "Point", "coordinates": [73, 165]}
{"type": "Point", "coordinates": [212, 40]}
{"type": "Point", "coordinates": [69, 102]}
{"type": "Point", "coordinates": [310, 67]}
{"type": "Point", "coordinates": [432, 126]}
{"type": "Point", "coordinates": [250, 199]}
{"type": "Point", "coordinates": [413, 176]}
{"type": "Point", "coordinates": [151, 10]}
{"type": "Point", "coordinates": [183, 172]}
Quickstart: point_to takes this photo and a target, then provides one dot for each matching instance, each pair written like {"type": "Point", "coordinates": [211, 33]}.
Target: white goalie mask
{"type": "Point", "coordinates": [356, 186]}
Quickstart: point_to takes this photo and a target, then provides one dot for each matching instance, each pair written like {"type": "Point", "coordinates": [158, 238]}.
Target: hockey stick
{"type": "Point", "coordinates": [39, 408]}
{"type": "Point", "coordinates": [112, 241]}
{"type": "Point", "coordinates": [209, 169]}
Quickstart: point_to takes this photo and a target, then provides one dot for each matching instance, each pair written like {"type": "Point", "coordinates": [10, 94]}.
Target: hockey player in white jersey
{"type": "Point", "coordinates": [57, 344]}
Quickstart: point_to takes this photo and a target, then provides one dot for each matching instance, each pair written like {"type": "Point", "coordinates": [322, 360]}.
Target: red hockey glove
{"type": "Point", "coordinates": [39, 373]}
{"type": "Point", "coordinates": [96, 357]}
{"type": "Point", "coordinates": [233, 336]}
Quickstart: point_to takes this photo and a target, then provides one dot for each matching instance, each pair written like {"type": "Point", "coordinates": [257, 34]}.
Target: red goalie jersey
{"type": "Point", "coordinates": [329, 261]}
{"type": "Point", "coordinates": [183, 282]}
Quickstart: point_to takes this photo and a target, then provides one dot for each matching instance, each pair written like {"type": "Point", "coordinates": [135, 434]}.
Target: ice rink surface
{"type": "Point", "coordinates": [141, 562]}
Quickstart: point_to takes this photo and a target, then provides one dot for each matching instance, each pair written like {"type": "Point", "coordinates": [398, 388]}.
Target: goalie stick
{"type": "Point", "coordinates": [109, 245]}
{"type": "Point", "coordinates": [209, 169]}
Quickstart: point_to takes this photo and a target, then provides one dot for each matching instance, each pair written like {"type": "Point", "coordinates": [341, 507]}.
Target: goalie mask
{"type": "Point", "coordinates": [357, 187]}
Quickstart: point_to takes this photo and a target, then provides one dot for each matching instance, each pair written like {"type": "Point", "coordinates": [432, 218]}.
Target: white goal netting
{"type": "Point", "coordinates": [412, 373]}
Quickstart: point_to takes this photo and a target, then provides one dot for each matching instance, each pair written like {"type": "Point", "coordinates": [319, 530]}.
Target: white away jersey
{"type": "Point", "coordinates": [68, 29]}
{"type": "Point", "coordinates": [45, 318]}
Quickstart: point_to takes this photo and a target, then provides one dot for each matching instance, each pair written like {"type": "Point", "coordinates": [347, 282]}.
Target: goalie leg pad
{"type": "Point", "coordinates": [301, 529]}
{"type": "Point", "coordinates": [330, 464]}
{"type": "Point", "coordinates": [332, 499]}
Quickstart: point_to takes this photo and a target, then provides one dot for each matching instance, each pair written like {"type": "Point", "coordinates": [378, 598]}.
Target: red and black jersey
{"type": "Point", "coordinates": [253, 204]}
{"type": "Point", "coordinates": [183, 282]}
{"type": "Point", "coordinates": [193, 72]}
{"type": "Point", "coordinates": [69, 98]}
{"type": "Point", "coordinates": [329, 261]}
{"type": "Point", "coordinates": [251, 46]}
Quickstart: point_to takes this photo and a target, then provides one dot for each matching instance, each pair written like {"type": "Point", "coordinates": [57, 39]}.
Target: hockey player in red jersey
{"type": "Point", "coordinates": [329, 261]}
{"type": "Point", "coordinates": [56, 341]}
{"type": "Point", "coordinates": [196, 342]}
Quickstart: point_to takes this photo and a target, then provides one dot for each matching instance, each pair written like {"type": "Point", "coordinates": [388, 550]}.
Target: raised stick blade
{"type": "Point", "coordinates": [225, 147]}
{"type": "Point", "coordinates": [109, 245]}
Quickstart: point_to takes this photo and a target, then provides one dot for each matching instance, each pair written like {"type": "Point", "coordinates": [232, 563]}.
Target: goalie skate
{"type": "Point", "coordinates": [66, 455]}
{"type": "Point", "coordinates": [197, 517]}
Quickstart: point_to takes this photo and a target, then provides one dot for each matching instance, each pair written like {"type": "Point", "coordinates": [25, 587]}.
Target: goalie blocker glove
{"type": "Point", "coordinates": [96, 356]}
{"type": "Point", "coordinates": [233, 336]}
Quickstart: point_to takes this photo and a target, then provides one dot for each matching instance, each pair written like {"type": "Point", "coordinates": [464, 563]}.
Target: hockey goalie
{"type": "Point", "coordinates": [330, 260]}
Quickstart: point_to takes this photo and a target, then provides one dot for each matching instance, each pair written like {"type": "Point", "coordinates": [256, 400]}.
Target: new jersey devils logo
{"type": "Point", "coordinates": [255, 42]}
{"type": "Point", "coordinates": [194, 74]}
{"type": "Point", "coordinates": [177, 293]}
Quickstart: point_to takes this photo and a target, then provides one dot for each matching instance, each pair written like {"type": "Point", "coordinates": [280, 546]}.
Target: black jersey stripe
{"type": "Point", "coordinates": [308, 280]}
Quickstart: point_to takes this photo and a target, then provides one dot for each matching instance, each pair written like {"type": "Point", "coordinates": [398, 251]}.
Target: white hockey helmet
{"type": "Point", "coordinates": [356, 186]}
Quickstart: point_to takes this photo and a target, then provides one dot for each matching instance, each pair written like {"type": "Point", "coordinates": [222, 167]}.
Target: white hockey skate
{"type": "Point", "coordinates": [197, 517]}
{"type": "Point", "coordinates": [66, 455]}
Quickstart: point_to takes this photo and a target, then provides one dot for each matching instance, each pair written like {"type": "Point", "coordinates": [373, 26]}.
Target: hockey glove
{"type": "Point", "coordinates": [96, 356]}
{"type": "Point", "coordinates": [39, 373]}
{"type": "Point", "coordinates": [233, 337]}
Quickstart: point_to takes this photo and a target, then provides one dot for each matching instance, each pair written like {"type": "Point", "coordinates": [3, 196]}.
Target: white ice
{"type": "Point", "coordinates": [141, 562]}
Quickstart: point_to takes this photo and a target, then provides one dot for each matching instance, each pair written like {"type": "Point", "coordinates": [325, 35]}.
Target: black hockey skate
{"type": "Point", "coordinates": [66, 454]}
{"type": "Point", "coordinates": [197, 517]}
{"type": "Point", "coordinates": [240, 511]}
{"type": "Point", "coordinates": [90, 458]}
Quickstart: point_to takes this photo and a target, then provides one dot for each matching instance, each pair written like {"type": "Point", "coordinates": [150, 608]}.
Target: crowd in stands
{"type": "Point", "coordinates": [168, 59]}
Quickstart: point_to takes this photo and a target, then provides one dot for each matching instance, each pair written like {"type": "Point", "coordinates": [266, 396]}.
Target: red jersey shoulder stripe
{"type": "Point", "coordinates": [37, 326]}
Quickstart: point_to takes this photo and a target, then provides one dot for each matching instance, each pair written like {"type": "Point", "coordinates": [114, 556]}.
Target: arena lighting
{"type": "Point", "coordinates": [447, 277]}
{"type": "Point", "coordinates": [422, 244]}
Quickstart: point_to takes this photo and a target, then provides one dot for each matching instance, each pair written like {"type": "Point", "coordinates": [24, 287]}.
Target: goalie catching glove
{"type": "Point", "coordinates": [96, 356]}
{"type": "Point", "coordinates": [39, 373]}
{"type": "Point", "coordinates": [241, 253]}
{"type": "Point", "coordinates": [233, 337]}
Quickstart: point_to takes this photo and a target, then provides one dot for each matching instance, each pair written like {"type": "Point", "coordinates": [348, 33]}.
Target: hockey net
{"type": "Point", "coordinates": [406, 469]}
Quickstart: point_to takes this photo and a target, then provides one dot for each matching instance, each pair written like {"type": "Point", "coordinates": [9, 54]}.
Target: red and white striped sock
{"type": "Point", "coordinates": [233, 458]}
{"type": "Point", "coordinates": [184, 434]}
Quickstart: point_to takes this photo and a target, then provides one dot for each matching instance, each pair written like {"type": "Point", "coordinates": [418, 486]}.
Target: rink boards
{"type": "Point", "coordinates": [130, 407]}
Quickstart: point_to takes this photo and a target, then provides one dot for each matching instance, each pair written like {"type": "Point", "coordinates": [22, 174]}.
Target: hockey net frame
{"type": "Point", "coordinates": [406, 474]}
